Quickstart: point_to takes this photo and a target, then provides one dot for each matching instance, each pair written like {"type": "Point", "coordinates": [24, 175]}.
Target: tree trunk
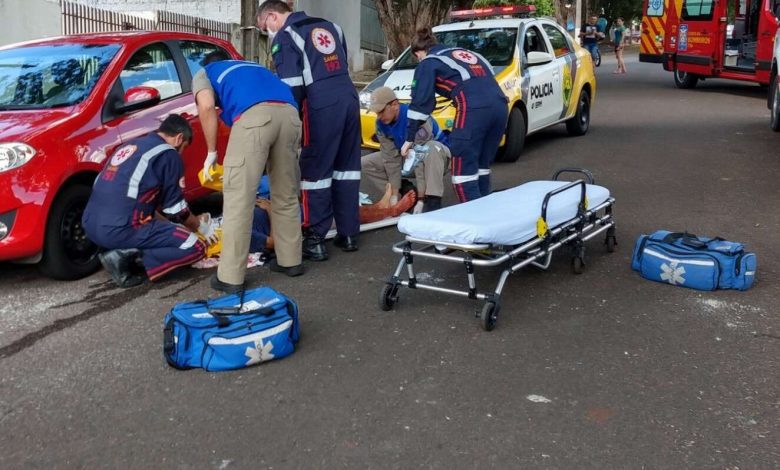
{"type": "Point", "coordinates": [401, 18]}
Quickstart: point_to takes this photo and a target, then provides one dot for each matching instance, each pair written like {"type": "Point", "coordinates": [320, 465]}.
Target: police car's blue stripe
{"type": "Point", "coordinates": [138, 174]}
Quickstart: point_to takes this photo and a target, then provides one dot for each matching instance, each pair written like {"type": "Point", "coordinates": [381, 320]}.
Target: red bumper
{"type": "Point", "coordinates": [23, 209]}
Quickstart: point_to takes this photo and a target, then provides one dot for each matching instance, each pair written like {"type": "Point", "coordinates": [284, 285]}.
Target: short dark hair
{"type": "Point", "coordinates": [276, 6]}
{"type": "Point", "coordinates": [423, 40]}
{"type": "Point", "coordinates": [174, 125]}
{"type": "Point", "coordinates": [215, 56]}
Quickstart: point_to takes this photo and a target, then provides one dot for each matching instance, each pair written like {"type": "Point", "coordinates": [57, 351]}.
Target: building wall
{"type": "Point", "coordinates": [29, 19]}
{"type": "Point", "coordinates": [227, 11]}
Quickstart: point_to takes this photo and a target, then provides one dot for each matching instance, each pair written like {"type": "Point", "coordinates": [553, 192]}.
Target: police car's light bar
{"type": "Point", "coordinates": [520, 10]}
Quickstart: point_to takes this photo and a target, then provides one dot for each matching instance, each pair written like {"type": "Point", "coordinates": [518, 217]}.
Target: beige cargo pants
{"type": "Point", "coordinates": [266, 137]}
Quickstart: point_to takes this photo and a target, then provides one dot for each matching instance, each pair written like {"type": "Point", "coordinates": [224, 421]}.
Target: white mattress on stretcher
{"type": "Point", "coordinates": [503, 218]}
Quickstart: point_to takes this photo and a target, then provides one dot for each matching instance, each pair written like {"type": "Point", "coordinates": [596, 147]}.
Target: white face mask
{"type": "Point", "coordinates": [271, 33]}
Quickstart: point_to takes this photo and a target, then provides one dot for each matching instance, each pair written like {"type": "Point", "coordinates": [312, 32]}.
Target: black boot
{"type": "Point", "coordinates": [431, 203]}
{"type": "Point", "coordinates": [346, 243]}
{"type": "Point", "coordinates": [120, 264]}
{"type": "Point", "coordinates": [314, 246]}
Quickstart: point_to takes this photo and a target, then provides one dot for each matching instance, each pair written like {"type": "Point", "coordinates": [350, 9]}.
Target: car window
{"type": "Point", "coordinates": [152, 66]}
{"type": "Point", "coordinates": [496, 45]}
{"type": "Point", "coordinates": [195, 51]}
{"type": "Point", "coordinates": [697, 10]}
{"type": "Point", "coordinates": [51, 76]}
{"type": "Point", "coordinates": [558, 40]}
{"type": "Point", "coordinates": [533, 41]}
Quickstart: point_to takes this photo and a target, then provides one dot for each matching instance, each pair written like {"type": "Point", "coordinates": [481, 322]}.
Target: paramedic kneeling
{"type": "Point", "coordinates": [142, 177]}
{"type": "Point", "coordinates": [381, 167]}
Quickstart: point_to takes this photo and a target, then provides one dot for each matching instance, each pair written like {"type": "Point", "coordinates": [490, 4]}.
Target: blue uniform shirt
{"type": "Point", "coordinates": [239, 85]}
{"type": "Point", "coordinates": [397, 130]}
{"type": "Point", "coordinates": [142, 176]}
{"type": "Point", "coordinates": [455, 73]}
{"type": "Point", "coordinates": [310, 55]}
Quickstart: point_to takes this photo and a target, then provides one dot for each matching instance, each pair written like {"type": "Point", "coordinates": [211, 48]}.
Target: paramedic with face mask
{"type": "Point", "coordinates": [310, 55]}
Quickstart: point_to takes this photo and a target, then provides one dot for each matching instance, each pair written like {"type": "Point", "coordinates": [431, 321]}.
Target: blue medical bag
{"type": "Point", "coordinates": [683, 259]}
{"type": "Point", "coordinates": [232, 331]}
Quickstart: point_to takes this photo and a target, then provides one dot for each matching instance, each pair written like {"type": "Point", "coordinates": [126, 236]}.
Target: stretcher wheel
{"type": "Point", "coordinates": [489, 315]}
{"type": "Point", "coordinates": [388, 296]}
{"type": "Point", "coordinates": [577, 263]}
{"type": "Point", "coordinates": [611, 241]}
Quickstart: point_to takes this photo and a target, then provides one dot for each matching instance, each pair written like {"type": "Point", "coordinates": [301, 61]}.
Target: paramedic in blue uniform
{"type": "Point", "coordinates": [384, 166]}
{"type": "Point", "coordinates": [264, 136]}
{"type": "Point", "coordinates": [481, 115]}
{"type": "Point", "coordinates": [137, 203]}
{"type": "Point", "coordinates": [310, 55]}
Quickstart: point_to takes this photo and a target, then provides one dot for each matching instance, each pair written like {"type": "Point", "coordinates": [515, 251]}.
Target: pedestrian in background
{"type": "Point", "coordinates": [264, 136]}
{"type": "Point", "coordinates": [310, 55]}
{"type": "Point", "coordinates": [618, 35]}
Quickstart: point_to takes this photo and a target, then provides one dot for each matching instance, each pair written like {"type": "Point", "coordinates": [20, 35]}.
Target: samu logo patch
{"type": "Point", "coordinates": [323, 41]}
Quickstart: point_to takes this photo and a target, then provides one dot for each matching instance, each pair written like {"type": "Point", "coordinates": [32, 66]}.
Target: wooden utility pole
{"type": "Point", "coordinates": [249, 33]}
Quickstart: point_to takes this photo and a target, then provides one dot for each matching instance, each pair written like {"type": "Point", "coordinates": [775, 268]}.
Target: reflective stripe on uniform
{"type": "Point", "coordinates": [189, 242]}
{"type": "Point", "coordinates": [176, 208]}
{"type": "Point", "coordinates": [140, 170]}
{"type": "Point", "coordinates": [346, 175]}
{"type": "Point", "coordinates": [340, 31]}
{"type": "Point", "coordinates": [464, 74]}
{"type": "Point", "coordinates": [483, 172]}
{"type": "Point", "coordinates": [233, 67]}
{"type": "Point", "coordinates": [301, 44]}
{"type": "Point", "coordinates": [417, 116]}
{"type": "Point", "coordinates": [293, 81]}
{"type": "Point", "coordinates": [464, 178]}
{"type": "Point", "coordinates": [321, 184]}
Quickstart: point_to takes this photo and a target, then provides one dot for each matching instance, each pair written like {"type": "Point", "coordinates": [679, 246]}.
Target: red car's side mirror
{"type": "Point", "coordinates": [139, 97]}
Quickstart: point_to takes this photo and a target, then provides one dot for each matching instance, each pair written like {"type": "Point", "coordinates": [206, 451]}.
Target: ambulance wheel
{"type": "Point", "coordinates": [774, 122]}
{"type": "Point", "coordinates": [489, 315]}
{"type": "Point", "coordinates": [388, 296]}
{"type": "Point", "coordinates": [580, 122]}
{"type": "Point", "coordinates": [577, 264]}
{"type": "Point", "coordinates": [515, 137]}
{"type": "Point", "coordinates": [67, 252]}
{"type": "Point", "coordinates": [685, 80]}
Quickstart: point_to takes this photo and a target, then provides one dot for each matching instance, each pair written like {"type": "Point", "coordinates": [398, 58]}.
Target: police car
{"type": "Point", "coordinates": [547, 77]}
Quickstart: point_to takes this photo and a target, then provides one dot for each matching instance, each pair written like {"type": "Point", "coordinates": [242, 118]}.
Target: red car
{"type": "Point", "coordinates": [66, 103]}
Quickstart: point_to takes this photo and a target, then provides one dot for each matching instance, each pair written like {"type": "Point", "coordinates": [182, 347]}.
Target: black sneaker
{"type": "Point", "coordinates": [346, 243]}
{"type": "Point", "coordinates": [291, 271]}
{"type": "Point", "coordinates": [216, 284]}
{"type": "Point", "coordinates": [314, 247]}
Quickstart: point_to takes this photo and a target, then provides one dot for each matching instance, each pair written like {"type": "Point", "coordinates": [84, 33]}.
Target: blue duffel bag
{"type": "Point", "coordinates": [683, 259]}
{"type": "Point", "coordinates": [232, 331]}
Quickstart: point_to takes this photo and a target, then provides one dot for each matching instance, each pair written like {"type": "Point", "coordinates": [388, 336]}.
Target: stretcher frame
{"type": "Point", "coordinates": [537, 252]}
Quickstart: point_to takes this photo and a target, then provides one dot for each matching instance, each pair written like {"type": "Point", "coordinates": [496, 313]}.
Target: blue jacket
{"type": "Point", "coordinates": [142, 176]}
{"type": "Point", "coordinates": [231, 81]}
{"type": "Point", "coordinates": [397, 130]}
{"type": "Point", "coordinates": [455, 73]}
{"type": "Point", "coordinates": [310, 55]}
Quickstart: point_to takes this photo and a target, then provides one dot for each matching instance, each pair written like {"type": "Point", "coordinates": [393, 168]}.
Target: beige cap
{"type": "Point", "coordinates": [380, 98]}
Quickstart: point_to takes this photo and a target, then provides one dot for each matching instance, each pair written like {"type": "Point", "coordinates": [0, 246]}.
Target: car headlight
{"type": "Point", "coordinates": [365, 99]}
{"type": "Point", "coordinates": [14, 155]}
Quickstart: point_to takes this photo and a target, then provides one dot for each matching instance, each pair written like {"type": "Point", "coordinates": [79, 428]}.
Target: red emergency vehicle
{"type": "Point", "coordinates": [697, 39]}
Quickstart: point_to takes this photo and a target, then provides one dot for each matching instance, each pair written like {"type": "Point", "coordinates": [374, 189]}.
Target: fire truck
{"type": "Point", "coordinates": [698, 39]}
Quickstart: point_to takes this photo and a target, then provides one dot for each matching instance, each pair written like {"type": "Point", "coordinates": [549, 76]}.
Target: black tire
{"type": "Point", "coordinates": [577, 264]}
{"type": "Point", "coordinates": [610, 242]}
{"type": "Point", "coordinates": [515, 137]}
{"type": "Point", "coordinates": [685, 80]}
{"type": "Point", "coordinates": [489, 315]}
{"type": "Point", "coordinates": [67, 252]}
{"type": "Point", "coordinates": [580, 123]}
{"type": "Point", "coordinates": [388, 296]}
{"type": "Point", "coordinates": [774, 121]}
{"type": "Point", "coordinates": [770, 97]}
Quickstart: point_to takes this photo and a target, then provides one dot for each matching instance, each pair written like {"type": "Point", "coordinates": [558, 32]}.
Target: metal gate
{"type": "Point", "coordinates": [80, 19]}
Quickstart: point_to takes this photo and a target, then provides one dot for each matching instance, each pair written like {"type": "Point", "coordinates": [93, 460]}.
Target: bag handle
{"type": "Point", "coordinates": [688, 239]}
{"type": "Point", "coordinates": [223, 314]}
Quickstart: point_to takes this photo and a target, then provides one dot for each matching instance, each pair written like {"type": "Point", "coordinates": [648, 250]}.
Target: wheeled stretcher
{"type": "Point", "coordinates": [512, 228]}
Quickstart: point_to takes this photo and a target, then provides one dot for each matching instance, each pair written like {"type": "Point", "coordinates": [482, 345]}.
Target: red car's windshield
{"type": "Point", "coordinates": [41, 77]}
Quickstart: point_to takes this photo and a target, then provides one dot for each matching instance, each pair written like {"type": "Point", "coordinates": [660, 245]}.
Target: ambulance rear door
{"type": "Point", "coordinates": [653, 31]}
{"type": "Point", "coordinates": [697, 37]}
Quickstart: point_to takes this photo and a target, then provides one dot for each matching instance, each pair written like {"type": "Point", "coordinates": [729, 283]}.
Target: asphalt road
{"type": "Point", "coordinates": [632, 374]}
